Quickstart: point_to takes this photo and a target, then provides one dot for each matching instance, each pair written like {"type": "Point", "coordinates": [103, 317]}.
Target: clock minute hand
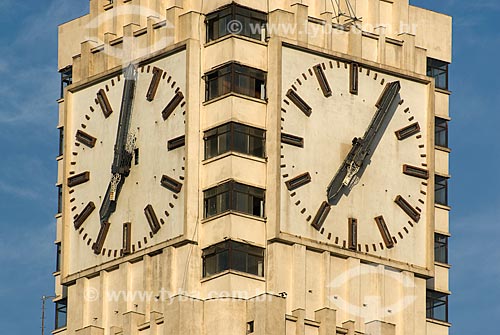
{"type": "Point", "coordinates": [361, 146]}
{"type": "Point", "coordinates": [122, 153]}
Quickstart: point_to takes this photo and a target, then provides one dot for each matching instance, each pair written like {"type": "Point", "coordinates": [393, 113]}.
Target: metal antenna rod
{"type": "Point", "coordinates": [44, 298]}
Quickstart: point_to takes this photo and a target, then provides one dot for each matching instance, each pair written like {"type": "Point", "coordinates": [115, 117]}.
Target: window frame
{"type": "Point", "coordinates": [234, 73]}
{"type": "Point", "coordinates": [441, 243]}
{"type": "Point", "coordinates": [232, 248]}
{"type": "Point", "coordinates": [232, 189]}
{"type": "Point", "coordinates": [61, 308]}
{"type": "Point", "coordinates": [437, 68]}
{"type": "Point", "coordinates": [441, 127]}
{"type": "Point", "coordinates": [433, 297]}
{"type": "Point", "coordinates": [231, 13]}
{"type": "Point", "coordinates": [231, 130]}
{"type": "Point", "coordinates": [441, 184]}
{"type": "Point", "coordinates": [58, 256]}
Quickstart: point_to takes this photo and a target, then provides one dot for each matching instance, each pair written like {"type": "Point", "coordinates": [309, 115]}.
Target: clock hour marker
{"type": "Point", "coordinates": [79, 179]}
{"type": "Point", "coordinates": [101, 237]}
{"type": "Point", "coordinates": [171, 184]}
{"type": "Point", "coordinates": [408, 131]}
{"type": "Point", "coordinates": [176, 142]}
{"type": "Point", "coordinates": [127, 238]}
{"type": "Point", "coordinates": [154, 224]}
{"type": "Point", "coordinates": [292, 140]}
{"type": "Point", "coordinates": [323, 82]}
{"type": "Point", "coordinates": [80, 218]}
{"type": "Point", "coordinates": [352, 234]}
{"type": "Point", "coordinates": [103, 101]}
{"type": "Point", "coordinates": [172, 105]}
{"type": "Point", "coordinates": [384, 231]}
{"type": "Point", "coordinates": [299, 102]}
{"type": "Point", "coordinates": [415, 172]}
{"type": "Point", "coordinates": [298, 181]}
{"type": "Point", "coordinates": [155, 82]}
{"type": "Point", "coordinates": [353, 78]}
{"type": "Point", "coordinates": [407, 208]}
{"type": "Point", "coordinates": [321, 216]}
{"type": "Point", "coordinates": [85, 139]}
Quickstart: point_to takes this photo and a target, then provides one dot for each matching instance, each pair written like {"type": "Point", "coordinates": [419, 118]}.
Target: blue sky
{"type": "Point", "coordinates": [28, 142]}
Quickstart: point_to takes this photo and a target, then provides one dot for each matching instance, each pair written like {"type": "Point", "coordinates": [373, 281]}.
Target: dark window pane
{"type": "Point", "coordinates": [242, 202]}
{"type": "Point", "coordinates": [61, 313]}
{"type": "Point", "coordinates": [210, 265]}
{"type": "Point", "coordinates": [233, 255]}
{"type": "Point", "coordinates": [438, 70]}
{"type": "Point", "coordinates": [441, 248]}
{"type": "Point", "coordinates": [441, 132]}
{"type": "Point", "coordinates": [61, 141]}
{"type": "Point", "coordinates": [240, 142]}
{"type": "Point", "coordinates": [441, 190]}
{"type": "Point", "coordinates": [59, 198]}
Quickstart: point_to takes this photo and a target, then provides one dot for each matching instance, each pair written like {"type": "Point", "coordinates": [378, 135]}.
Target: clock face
{"type": "Point", "coordinates": [354, 165]}
{"type": "Point", "coordinates": [126, 174]}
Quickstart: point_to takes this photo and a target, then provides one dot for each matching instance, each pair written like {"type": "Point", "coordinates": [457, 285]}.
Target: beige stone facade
{"type": "Point", "coordinates": [312, 282]}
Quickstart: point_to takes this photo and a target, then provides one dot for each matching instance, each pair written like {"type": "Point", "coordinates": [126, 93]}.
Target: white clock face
{"type": "Point", "coordinates": [381, 208]}
{"type": "Point", "coordinates": [148, 205]}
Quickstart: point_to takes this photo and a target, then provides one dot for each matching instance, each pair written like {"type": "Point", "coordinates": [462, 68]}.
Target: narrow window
{"type": "Point", "coordinates": [438, 70]}
{"type": "Point", "coordinates": [437, 305]}
{"type": "Point", "coordinates": [234, 196]}
{"type": "Point", "coordinates": [61, 312]}
{"type": "Point", "coordinates": [235, 78]}
{"type": "Point", "coordinates": [441, 248]}
{"type": "Point", "coordinates": [441, 132]}
{"type": "Point", "coordinates": [235, 19]}
{"type": "Point", "coordinates": [58, 256]}
{"type": "Point", "coordinates": [61, 141]}
{"type": "Point", "coordinates": [66, 78]}
{"type": "Point", "coordinates": [441, 190]}
{"type": "Point", "coordinates": [250, 327]}
{"type": "Point", "coordinates": [59, 198]}
{"type": "Point", "coordinates": [235, 256]}
{"type": "Point", "coordinates": [235, 137]}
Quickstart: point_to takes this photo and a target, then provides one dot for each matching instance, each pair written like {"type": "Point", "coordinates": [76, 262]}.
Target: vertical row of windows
{"type": "Point", "coordinates": [235, 19]}
{"type": "Point", "coordinates": [232, 255]}
{"type": "Point", "coordinates": [235, 137]}
{"type": "Point", "coordinates": [233, 196]}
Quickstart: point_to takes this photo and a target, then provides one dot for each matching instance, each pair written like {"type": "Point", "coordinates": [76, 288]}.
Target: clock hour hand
{"type": "Point", "coordinates": [361, 147]}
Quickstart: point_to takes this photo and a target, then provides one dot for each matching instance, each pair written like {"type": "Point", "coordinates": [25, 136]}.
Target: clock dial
{"type": "Point", "coordinates": [354, 166]}
{"type": "Point", "coordinates": [128, 153]}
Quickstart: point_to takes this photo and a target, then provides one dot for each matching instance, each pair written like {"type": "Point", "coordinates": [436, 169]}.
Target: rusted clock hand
{"type": "Point", "coordinates": [122, 159]}
{"type": "Point", "coordinates": [361, 147]}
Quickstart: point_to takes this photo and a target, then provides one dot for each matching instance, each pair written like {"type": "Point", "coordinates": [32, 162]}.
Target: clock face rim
{"type": "Point", "coordinates": [86, 234]}
{"type": "Point", "coordinates": [288, 107]}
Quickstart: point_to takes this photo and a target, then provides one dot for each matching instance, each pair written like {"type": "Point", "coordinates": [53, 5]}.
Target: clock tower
{"type": "Point", "coordinates": [253, 167]}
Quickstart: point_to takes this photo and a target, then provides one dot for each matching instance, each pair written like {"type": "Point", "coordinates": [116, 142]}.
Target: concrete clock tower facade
{"type": "Point", "coordinates": [253, 167]}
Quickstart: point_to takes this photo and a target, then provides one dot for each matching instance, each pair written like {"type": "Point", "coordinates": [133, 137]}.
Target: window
{"type": "Point", "coordinates": [441, 190]}
{"type": "Point", "coordinates": [61, 141]}
{"type": "Point", "coordinates": [234, 137]}
{"type": "Point", "coordinates": [438, 70]}
{"type": "Point", "coordinates": [237, 78]}
{"type": "Point", "coordinates": [66, 78]}
{"type": "Point", "coordinates": [234, 19]}
{"type": "Point", "coordinates": [61, 312]}
{"type": "Point", "coordinates": [58, 257]}
{"type": "Point", "coordinates": [234, 196]}
{"type": "Point", "coordinates": [441, 132]}
{"type": "Point", "coordinates": [59, 199]}
{"type": "Point", "coordinates": [441, 248]}
{"type": "Point", "coordinates": [250, 327]}
{"type": "Point", "coordinates": [233, 255]}
{"type": "Point", "coordinates": [437, 305]}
